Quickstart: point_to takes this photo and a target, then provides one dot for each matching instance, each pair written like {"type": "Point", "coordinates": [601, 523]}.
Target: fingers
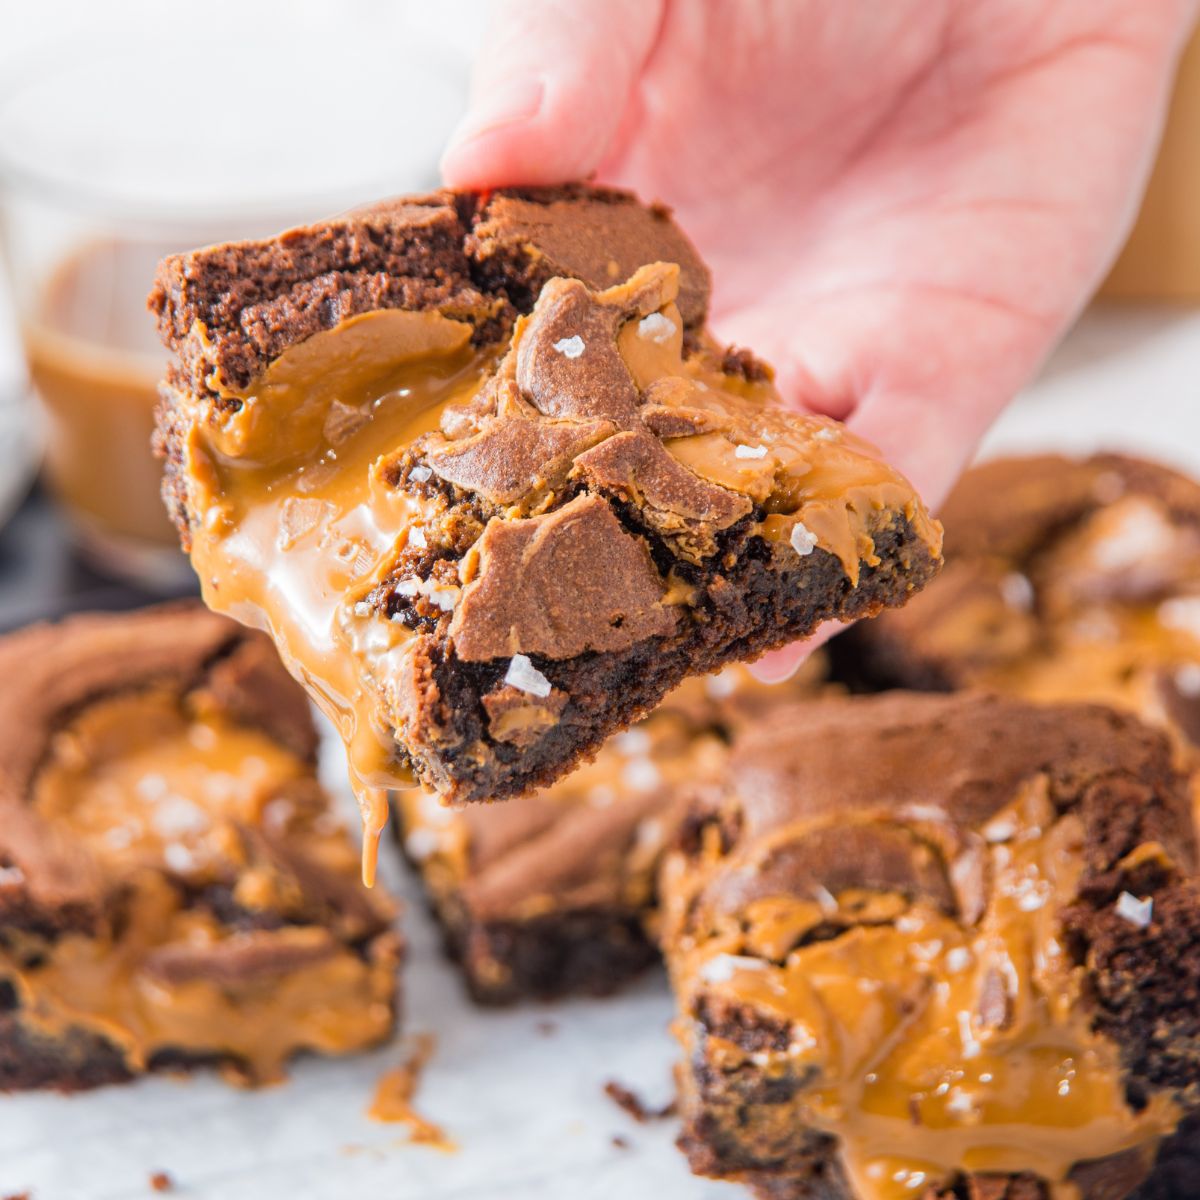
{"type": "Point", "coordinates": [778, 666]}
{"type": "Point", "coordinates": [550, 87]}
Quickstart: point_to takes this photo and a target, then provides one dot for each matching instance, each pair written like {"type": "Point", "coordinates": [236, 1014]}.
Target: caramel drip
{"type": "Point", "coordinates": [297, 527]}
{"type": "Point", "coordinates": [936, 1048]}
{"type": "Point", "coordinates": [393, 1099]}
{"type": "Point", "coordinates": [166, 799]}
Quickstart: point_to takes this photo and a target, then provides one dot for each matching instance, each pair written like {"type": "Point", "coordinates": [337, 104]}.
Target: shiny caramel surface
{"type": "Point", "coordinates": [930, 1046]}
{"type": "Point", "coordinates": [297, 526]}
{"type": "Point", "coordinates": [169, 800]}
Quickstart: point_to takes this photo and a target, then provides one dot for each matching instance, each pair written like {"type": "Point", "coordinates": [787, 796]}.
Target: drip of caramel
{"type": "Point", "coordinates": [297, 527]}
{"type": "Point", "coordinates": [933, 1047]}
{"type": "Point", "coordinates": [167, 801]}
{"type": "Point", "coordinates": [394, 1092]}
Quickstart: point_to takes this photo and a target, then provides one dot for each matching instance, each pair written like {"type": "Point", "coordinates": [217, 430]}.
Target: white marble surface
{"type": "Point", "coordinates": [526, 1108]}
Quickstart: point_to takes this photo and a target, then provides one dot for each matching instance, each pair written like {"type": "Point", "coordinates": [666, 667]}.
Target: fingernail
{"type": "Point", "coordinates": [519, 100]}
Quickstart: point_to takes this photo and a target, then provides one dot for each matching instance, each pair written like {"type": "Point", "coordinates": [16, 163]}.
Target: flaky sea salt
{"type": "Point", "coordinates": [362, 609]}
{"type": "Point", "coordinates": [1017, 592]}
{"type": "Point", "coordinates": [1136, 912]}
{"type": "Point", "coordinates": [828, 433]}
{"type": "Point", "coordinates": [632, 741]}
{"type": "Point", "coordinates": [641, 775]}
{"type": "Point", "coordinates": [743, 451]}
{"type": "Point", "coordinates": [958, 958]}
{"type": "Point", "coordinates": [571, 347]}
{"type": "Point", "coordinates": [420, 474]}
{"type": "Point", "coordinates": [1181, 613]}
{"type": "Point", "coordinates": [11, 875]}
{"type": "Point", "coordinates": [803, 539]}
{"type": "Point", "coordinates": [656, 328]}
{"type": "Point", "coordinates": [178, 857]}
{"type": "Point", "coordinates": [524, 676]}
{"type": "Point", "coordinates": [722, 967]}
{"type": "Point", "coordinates": [416, 537]}
{"type": "Point", "coordinates": [1187, 679]}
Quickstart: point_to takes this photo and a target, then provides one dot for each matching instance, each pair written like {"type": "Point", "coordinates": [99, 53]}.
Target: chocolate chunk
{"type": "Point", "coordinates": [678, 505]}
{"type": "Point", "coordinates": [567, 583]}
{"type": "Point", "coordinates": [513, 456]}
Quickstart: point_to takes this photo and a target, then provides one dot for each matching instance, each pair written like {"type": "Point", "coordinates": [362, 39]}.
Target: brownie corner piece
{"type": "Point", "coordinates": [175, 889]}
{"type": "Point", "coordinates": [488, 543]}
{"type": "Point", "coordinates": [911, 939]}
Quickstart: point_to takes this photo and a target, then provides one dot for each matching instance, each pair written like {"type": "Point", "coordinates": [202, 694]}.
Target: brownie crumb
{"type": "Point", "coordinates": [635, 1106]}
{"type": "Point", "coordinates": [546, 1028]}
{"type": "Point", "coordinates": [621, 1143]}
{"type": "Point", "coordinates": [160, 1181]}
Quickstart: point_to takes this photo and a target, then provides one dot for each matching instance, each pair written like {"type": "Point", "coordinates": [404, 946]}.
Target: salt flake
{"type": "Point", "coordinates": [742, 451]}
{"type": "Point", "coordinates": [656, 328]}
{"type": "Point", "coordinates": [571, 347]}
{"type": "Point", "coordinates": [1136, 912]}
{"type": "Point", "coordinates": [803, 539]}
{"type": "Point", "coordinates": [524, 676]}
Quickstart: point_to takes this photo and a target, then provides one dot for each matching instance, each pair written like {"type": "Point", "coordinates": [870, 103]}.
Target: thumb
{"type": "Point", "coordinates": [549, 89]}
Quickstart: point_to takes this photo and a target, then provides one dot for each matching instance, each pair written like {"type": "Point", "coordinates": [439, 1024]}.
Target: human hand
{"type": "Point", "coordinates": [903, 205]}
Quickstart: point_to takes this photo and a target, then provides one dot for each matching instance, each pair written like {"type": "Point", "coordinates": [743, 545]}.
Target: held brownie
{"type": "Point", "coordinates": [940, 947]}
{"type": "Point", "coordinates": [1066, 580]}
{"type": "Point", "coordinates": [477, 466]}
{"type": "Point", "coordinates": [556, 894]}
{"type": "Point", "coordinates": [174, 889]}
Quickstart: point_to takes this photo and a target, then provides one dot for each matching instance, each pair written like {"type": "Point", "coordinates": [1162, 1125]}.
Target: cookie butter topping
{"type": "Point", "coordinates": [908, 958]}
{"type": "Point", "coordinates": [166, 801]}
{"type": "Point", "coordinates": [382, 499]}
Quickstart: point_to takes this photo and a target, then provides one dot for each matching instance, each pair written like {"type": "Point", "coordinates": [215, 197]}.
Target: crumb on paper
{"type": "Point", "coordinates": [621, 1143]}
{"type": "Point", "coordinates": [546, 1028]}
{"type": "Point", "coordinates": [160, 1181]}
{"type": "Point", "coordinates": [394, 1092]}
{"type": "Point", "coordinates": [634, 1105]}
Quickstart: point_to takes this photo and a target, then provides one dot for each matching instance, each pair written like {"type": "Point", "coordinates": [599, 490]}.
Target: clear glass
{"type": "Point", "coordinates": [121, 146]}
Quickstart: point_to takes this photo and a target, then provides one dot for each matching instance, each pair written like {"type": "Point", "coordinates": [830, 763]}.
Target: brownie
{"type": "Point", "coordinates": [1065, 580]}
{"type": "Point", "coordinates": [939, 946]}
{"type": "Point", "coordinates": [477, 465]}
{"type": "Point", "coordinates": [175, 890]}
{"type": "Point", "coordinates": [555, 895]}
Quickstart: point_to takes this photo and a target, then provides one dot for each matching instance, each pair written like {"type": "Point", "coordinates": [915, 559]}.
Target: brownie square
{"type": "Point", "coordinates": [939, 946]}
{"type": "Point", "coordinates": [1066, 579]}
{"type": "Point", "coordinates": [476, 464]}
{"type": "Point", "coordinates": [175, 889]}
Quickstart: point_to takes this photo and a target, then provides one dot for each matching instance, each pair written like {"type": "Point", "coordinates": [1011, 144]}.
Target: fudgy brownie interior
{"type": "Point", "coordinates": [478, 467]}
{"type": "Point", "coordinates": [939, 946]}
{"type": "Point", "coordinates": [174, 888]}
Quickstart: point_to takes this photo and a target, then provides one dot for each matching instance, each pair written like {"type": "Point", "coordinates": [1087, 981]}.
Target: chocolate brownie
{"type": "Point", "coordinates": [477, 465]}
{"type": "Point", "coordinates": [175, 890]}
{"type": "Point", "coordinates": [939, 946]}
{"type": "Point", "coordinates": [1065, 580]}
{"type": "Point", "coordinates": [555, 894]}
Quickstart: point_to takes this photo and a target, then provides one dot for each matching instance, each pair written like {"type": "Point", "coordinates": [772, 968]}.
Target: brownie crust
{"type": "Point", "coordinates": [283, 902]}
{"type": "Point", "coordinates": [915, 756]}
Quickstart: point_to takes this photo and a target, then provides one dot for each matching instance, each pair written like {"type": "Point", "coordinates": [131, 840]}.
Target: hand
{"type": "Point", "coordinates": [903, 204]}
